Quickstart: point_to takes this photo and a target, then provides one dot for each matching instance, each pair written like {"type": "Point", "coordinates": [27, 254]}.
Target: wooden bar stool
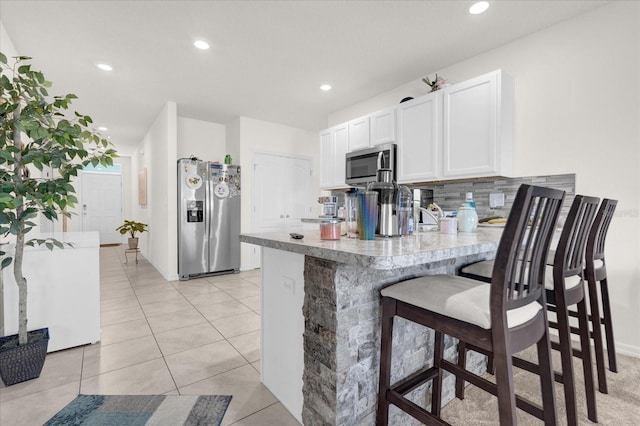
{"type": "Point", "coordinates": [565, 287]}
{"type": "Point", "coordinates": [502, 318]}
{"type": "Point", "coordinates": [596, 276]}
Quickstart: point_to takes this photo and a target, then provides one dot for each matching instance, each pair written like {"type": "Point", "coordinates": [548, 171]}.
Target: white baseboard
{"type": "Point", "coordinates": [629, 350]}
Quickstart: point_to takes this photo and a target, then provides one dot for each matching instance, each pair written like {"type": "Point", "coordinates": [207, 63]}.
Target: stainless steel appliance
{"type": "Point", "coordinates": [387, 224]}
{"type": "Point", "coordinates": [329, 206]}
{"type": "Point", "coordinates": [362, 165]}
{"type": "Point", "coordinates": [208, 218]}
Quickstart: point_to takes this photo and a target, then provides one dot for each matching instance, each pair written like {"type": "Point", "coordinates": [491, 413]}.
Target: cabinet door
{"type": "Point", "coordinates": [298, 191]}
{"type": "Point", "coordinates": [326, 158]}
{"type": "Point", "coordinates": [340, 149]}
{"type": "Point", "coordinates": [477, 127]}
{"type": "Point", "coordinates": [419, 138]}
{"type": "Point", "coordinates": [334, 145]}
{"type": "Point", "coordinates": [359, 133]}
{"type": "Point", "coordinates": [383, 126]}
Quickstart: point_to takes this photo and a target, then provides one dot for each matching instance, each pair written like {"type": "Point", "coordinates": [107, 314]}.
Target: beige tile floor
{"type": "Point", "coordinates": [183, 337]}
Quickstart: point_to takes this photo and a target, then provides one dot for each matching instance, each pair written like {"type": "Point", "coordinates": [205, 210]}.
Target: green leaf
{"type": "Point", "coordinates": [6, 262]}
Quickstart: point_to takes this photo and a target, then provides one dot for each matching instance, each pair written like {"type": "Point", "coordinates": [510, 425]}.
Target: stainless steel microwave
{"type": "Point", "coordinates": [361, 165]}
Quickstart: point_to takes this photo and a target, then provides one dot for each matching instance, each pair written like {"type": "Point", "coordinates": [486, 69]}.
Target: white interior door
{"type": "Point", "coordinates": [282, 195]}
{"type": "Point", "coordinates": [101, 205]}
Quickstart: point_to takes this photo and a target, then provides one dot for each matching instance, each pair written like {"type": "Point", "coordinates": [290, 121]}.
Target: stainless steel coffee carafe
{"type": "Point", "coordinates": [387, 225]}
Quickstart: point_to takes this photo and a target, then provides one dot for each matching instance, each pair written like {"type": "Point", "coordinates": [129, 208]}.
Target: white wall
{"type": "Point", "coordinates": [261, 136]}
{"type": "Point", "coordinates": [171, 137]}
{"type": "Point", "coordinates": [6, 44]}
{"type": "Point", "coordinates": [201, 139]}
{"type": "Point", "coordinates": [577, 111]}
{"type": "Point", "coordinates": [158, 153]}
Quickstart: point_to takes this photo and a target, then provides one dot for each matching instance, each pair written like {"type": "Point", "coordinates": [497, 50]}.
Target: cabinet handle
{"type": "Point", "coordinates": [281, 216]}
{"type": "Point", "coordinates": [287, 216]}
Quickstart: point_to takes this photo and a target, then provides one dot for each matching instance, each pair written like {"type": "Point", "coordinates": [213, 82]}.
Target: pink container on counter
{"type": "Point", "coordinates": [448, 225]}
{"type": "Point", "coordinates": [330, 230]}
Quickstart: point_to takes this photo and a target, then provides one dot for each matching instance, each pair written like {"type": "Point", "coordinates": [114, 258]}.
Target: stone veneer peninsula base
{"type": "Point", "coordinates": [341, 319]}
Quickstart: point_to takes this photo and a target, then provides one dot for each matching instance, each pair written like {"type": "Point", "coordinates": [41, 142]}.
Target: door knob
{"type": "Point", "coordinates": [281, 216]}
{"type": "Point", "coordinates": [287, 216]}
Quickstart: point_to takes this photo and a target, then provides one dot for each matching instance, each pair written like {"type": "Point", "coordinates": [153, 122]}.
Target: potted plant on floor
{"type": "Point", "coordinates": [36, 134]}
{"type": "Point", "coordinates": [132, 227]}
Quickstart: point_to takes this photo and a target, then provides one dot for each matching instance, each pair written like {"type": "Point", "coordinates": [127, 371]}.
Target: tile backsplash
{"type": "Point", "coordinates": [449, 195]}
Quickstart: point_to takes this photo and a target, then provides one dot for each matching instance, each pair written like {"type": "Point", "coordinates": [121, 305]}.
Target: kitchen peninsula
{"type": "Point", "coordinates": [320, 317]}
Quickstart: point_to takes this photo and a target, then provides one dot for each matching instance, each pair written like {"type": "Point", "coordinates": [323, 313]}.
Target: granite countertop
{"type": "Point", "coordinates": [383, 253]}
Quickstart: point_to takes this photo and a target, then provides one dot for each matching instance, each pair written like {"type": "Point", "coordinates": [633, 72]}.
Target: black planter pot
{"type": "Point", "coordinates": [19, 363]}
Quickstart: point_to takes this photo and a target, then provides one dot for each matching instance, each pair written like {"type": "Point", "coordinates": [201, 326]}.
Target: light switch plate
{"type": "Point", "coordinates": [496, 199]}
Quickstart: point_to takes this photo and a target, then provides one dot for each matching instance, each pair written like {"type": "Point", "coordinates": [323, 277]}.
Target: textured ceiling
{"type": "Point", "coordinates": [267, 60]}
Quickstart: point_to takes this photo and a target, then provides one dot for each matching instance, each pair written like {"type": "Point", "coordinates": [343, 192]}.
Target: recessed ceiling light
{"type": "Point", "coordinates": [325, 87]}
{"type": "Point", "coordinates": [105, 67]}
{"type": "Point", "coordinates": [201, 44]}
{"type": "Point", "coordinates": [478, 7]}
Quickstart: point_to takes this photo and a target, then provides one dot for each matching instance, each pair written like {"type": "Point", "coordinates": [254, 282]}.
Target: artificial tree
{"type": "Point", "coordinates": [38, 131]}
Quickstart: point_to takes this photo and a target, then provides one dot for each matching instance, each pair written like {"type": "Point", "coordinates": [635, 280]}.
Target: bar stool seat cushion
{"type": "Point", "coordinates": [485, 269]}
{"type": "Point", "coordinates": [456, 297]}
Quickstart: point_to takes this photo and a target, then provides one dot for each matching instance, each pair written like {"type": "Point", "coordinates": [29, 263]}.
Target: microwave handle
{"type": "Point", "coordinates": [380, 160]}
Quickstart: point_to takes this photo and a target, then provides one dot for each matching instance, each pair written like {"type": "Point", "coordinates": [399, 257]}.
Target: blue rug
{"type": "Point", "coordinates": [134, 410]}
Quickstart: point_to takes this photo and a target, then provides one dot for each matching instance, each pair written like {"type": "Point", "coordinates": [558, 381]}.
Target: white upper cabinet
{"type": "Point", "coordinates": [478, 127]}
{"type": "Point", "coordinates": [383, 126]}
{"type": "Point", "coordinates": [419, 139]}
{"type": "Point", "coordinates": [334, 145]}
{"type": "Point", "coordinates": [359, 133]}
{"type": "Point", "coordinates": [462, 131]}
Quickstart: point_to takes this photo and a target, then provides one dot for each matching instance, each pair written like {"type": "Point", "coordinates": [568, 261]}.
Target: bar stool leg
{"type": "Point", "coordinates": [546, 379]}
{"type": "Point", "coordinates": [566, 356]}
{"type": "Point", "coordinates": [462, 363]}
{"type": "Point", "coordinates": [587, 368]}
{"type": "Point", "coordinates": [386, 343]}
{"type": "Point", "coordinates": [436, 386]}
{"type": "Point", "coordinates": [596, 327]}
{"type": "Point", "coordinates": [505, 387]}
{"type": "Point", "coordinates": [608, 326]}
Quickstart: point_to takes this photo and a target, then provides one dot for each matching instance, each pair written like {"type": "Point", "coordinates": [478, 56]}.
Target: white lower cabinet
{"type": "Point", "coordinates": [64, 290]}
{"type": "Point", "coordinates": [282, 360]}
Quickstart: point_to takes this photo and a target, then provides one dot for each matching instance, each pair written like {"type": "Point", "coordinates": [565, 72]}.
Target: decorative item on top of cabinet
{"type": "Point", "coordinates": [437, 83]}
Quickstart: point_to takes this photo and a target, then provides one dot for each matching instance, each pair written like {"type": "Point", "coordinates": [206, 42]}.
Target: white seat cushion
{"type": "Point", "coordinates": [569, 282]}
{"type": "Point", "coordinates": [485, 269]}
{"type": "Point", "coordinates": [456, 297]}
{"type": "Point", "coordinates": [480, 269]}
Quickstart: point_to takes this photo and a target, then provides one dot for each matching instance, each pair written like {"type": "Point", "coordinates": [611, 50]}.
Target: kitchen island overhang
{"type": "Point", "coordinates": [331, 291]}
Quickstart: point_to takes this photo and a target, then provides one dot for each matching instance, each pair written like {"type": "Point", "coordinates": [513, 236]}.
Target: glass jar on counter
{"type": "Point", "coordinates": [330, 229]}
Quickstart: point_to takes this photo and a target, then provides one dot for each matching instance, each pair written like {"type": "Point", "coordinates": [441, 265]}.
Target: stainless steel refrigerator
{"type": "Point", "coordinates": [208, 218]}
